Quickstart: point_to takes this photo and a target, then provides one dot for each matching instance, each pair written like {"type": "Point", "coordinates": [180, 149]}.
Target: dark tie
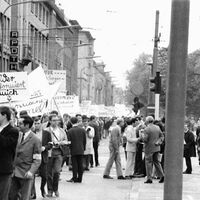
{"type": "Point", "coordinates": [23, 137]}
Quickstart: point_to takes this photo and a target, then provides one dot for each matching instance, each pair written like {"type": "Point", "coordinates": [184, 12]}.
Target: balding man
{"type": "Point", "coordinates": [152, 138]}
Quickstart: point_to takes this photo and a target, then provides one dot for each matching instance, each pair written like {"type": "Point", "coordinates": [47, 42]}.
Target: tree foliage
{"type": "Point", "coordinates": [141, 73]}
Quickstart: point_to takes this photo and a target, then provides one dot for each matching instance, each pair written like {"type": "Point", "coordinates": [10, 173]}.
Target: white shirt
{"type": "Point", "coordinates": [39, 134]}
{"type": "Point", "coordinates": [26, 134]}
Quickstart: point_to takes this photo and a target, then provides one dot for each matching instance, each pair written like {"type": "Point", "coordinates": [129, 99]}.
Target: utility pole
{"type": "Point", "coordinates": [153, 70]}
{"type": "Point", "coordinates": [176, 98]}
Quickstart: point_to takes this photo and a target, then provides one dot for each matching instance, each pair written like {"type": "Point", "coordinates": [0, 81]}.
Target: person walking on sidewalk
{"type": "Point", "coordinates": [114, 147]}
{"type": "Point", "coordinates": [77, 136]}
{"type": "Point", "coordinates": [152, 138]}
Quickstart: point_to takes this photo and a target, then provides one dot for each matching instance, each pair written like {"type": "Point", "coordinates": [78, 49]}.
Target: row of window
{"type": "Point", "coordinates": [40, 12]}
{"type": "Point", "coordinates": [39, 45]}
{"type": "Point", "coordinates": [6, 28]}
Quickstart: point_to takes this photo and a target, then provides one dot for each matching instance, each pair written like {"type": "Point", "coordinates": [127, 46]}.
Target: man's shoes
{"type": "Point", "coordinates": [87, 169]}
{"type": "Point", "coordinates": [57, 193]}
{"type": "Point", "coordinates": [97, 165]}
{"type": "Point", "coordinates": [128, 177]}
{"type": "Point", "coordinates": [138, 175]}
{"type": "Point", "coordinates": [107, 177]}
{"type": "Point", "coordinates": [121, 178]}
{"type": "Point", "coordinates": [33, 196]}
{"type": "Point", "coordinates": [50, 194]}
{"type": "Point", "coordinates": [70, 180]}
{"type": "Point", "coordinates": [148, 181]}
{"type": "Point", "coordinates": [43, 193]}
{"type": "Point", "coordinates": [186, 172]}
{"type": "Point", "coordinates": [161, 180]}
{"type": "Point", "coordinates": [91, 166]}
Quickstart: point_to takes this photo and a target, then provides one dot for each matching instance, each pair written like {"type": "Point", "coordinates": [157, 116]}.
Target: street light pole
{"type": "Point", "coordinates": [2, 23]}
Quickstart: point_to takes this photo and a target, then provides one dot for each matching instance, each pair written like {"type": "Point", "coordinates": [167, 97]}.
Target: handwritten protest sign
{"type": "Point", "coordinates": [54, 76]}
{"type": "Point", "coordinates": [67, 104]}
{"type": "Point", "coordinates": [13, 86]}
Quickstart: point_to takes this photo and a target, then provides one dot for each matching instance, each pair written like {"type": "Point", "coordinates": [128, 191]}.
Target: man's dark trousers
{"type": "Point", "coordinates": [77, 168]}
{"type": "Point", "coordinates": [5, 181]}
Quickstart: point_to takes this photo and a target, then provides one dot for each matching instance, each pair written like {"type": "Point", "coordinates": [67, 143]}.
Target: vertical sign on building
{"type": "Point", "coordinates": [14, 50]}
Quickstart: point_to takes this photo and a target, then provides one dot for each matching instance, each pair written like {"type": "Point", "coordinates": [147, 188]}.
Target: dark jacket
{"type": "Point", "coordinates": [77, 136]}
{"type": "Point", "coordinates": [189, 146]}
{"type": "Point", "coordinates": [96, 131]}
{"type": "Point", "coordinates": [8, 142]}
{"type": "Point", "coordinates": [46, 138]}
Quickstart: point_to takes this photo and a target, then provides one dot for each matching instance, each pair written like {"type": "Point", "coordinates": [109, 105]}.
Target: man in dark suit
{"type": "Point", "coordinates": [45, 138]}
{"type": "Point", "coordinates": [96, 139]}
{"type": "Point", "coordinates": [77, 136]}
{"type": "Point", "coordinates": [8, 141]}
{"type": "Point", "coordinates": [152, 138]}
{"type": "Point", "coordinates": [189, 149]}
{"type": "Point", "coordinates": [27, 160]}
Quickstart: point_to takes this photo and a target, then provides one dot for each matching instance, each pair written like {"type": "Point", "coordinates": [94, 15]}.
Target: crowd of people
{"type": "Point", "coordinates": [41, 145]}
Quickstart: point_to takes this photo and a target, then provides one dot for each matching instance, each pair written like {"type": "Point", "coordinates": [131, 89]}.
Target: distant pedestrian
{"type": "Point", "coordinates": [8, 141]}
{"type": "Point", "coordinates": [152, 137]}
{"type": "Point", "coordinates": [189, 149]}
{"type": "Point", "coordinates": [77, 136]}
{"type": "Point", "coordinates": [114, 147]}
{"type": "Point", "coordinates": [131, 147]}
{"type": "Point", "coordinates": [96, 138]}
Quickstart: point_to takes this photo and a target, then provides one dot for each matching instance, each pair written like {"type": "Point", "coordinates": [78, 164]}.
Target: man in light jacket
{"type": "Point", "coordinates": [130, 132]}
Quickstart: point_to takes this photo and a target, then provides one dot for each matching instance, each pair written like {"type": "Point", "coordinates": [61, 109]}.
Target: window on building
{"type": "Point", "coordinates": [40, 11]}
{"type": "Point", "coordinates": [36, 9]}
{"type": "Point", "coordinates": [35, 43]}
{"type": "Point", "coordinates": [40, 47]}
{"type": "Point", "coordinates": [46, 51]}
{"type": "Point", "coordinates": [43, 16]}
{"type": "Point", "coordinates": [32, 7]}
{"type": "Point", "coordinates": [47, 18]}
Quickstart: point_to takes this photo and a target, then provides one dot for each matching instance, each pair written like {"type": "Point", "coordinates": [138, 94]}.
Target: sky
{"type": "Point", "coordinates": [124, 29]}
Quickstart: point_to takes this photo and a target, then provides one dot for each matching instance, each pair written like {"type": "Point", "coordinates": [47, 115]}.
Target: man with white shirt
{"type": "Point", "coordinates": [54, 166]}
{"type": "Point", "coordinates": [27, 160]}
{"type": "Point", "coordinates": [131, 147]}
{"type": "Point", "coordinates": [8, 142]}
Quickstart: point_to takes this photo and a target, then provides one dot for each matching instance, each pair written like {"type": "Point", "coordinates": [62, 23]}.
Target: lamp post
{"type": "Point", "coordinates": [2, 23]}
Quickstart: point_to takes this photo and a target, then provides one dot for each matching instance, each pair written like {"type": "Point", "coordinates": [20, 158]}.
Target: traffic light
{"type": "Point", "coordinates": [157, 83]}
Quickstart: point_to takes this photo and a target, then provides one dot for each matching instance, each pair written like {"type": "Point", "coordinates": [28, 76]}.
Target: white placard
{"type": "Point", "coordinates": [54, 76]}
{"type": "Point", "coordinates": [13, 86]}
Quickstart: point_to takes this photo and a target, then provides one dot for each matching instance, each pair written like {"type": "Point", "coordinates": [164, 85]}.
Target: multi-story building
{"type": "Point", "coordinates": [85, 64]}
{"type": "Point", "coordinates": [5, 25]}
{"type": "Point", "coordinates": [41, 36]}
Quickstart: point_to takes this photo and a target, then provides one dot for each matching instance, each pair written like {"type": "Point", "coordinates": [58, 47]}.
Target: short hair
{"type": "Point", "coordinates": [74, 120]}
{"type": "Point", "coordinates": [78, 115]}
{"type": "Point", "coordinates": [37, 119]}
{"type": "Point", "coordinates": [92, 117]}
{"type": "Point", "coordinates": [23, 112]}
{"type": "Point", "coordinates": [84, 117]}
{"type": "Point", "coordinates": [4, 110]}
{"type": "Point", "coordinates": [27, 120]}
{"type": "Point", "coordinates": [51, 116]}
{"type": "Point", "coordinates": [54, 112]}
{"type": "Point", "coordinates": [149, 119]}
{"type": "Point", "coordinates": [119, 120]}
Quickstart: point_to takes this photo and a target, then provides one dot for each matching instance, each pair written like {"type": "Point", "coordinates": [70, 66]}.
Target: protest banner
{"type": "Point", "coordinates": [13, 86]}
{"type": "Point", "coordinates": [67, 104]}
{"type": "Point", "coordinates": [54, 76]}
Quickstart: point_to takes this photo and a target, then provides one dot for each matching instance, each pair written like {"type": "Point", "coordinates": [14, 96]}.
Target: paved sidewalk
{"type": "Point", "coordinates": [191, 186]}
